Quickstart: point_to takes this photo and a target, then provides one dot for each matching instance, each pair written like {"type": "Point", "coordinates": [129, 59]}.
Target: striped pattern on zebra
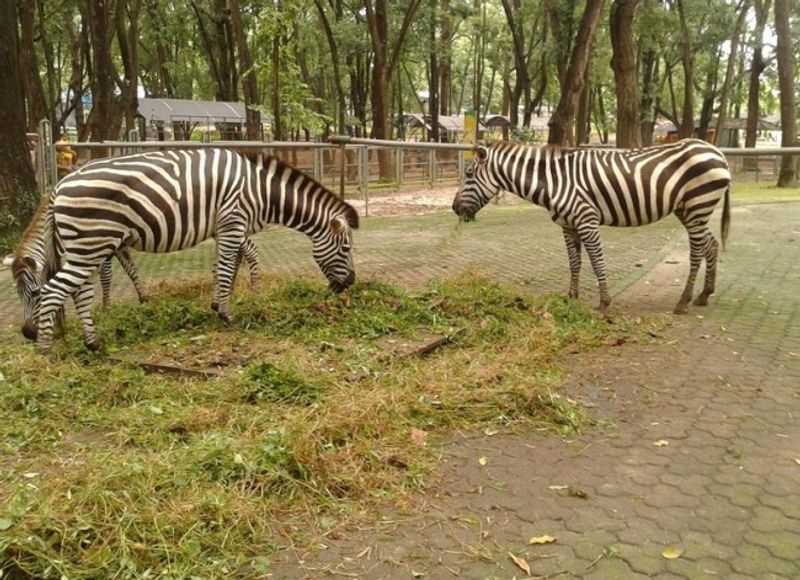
{"type": "Point", "coordinates": [584, 189]}
{"type": "Point", "coordinates": [30, 258]}
{"type": "Point", "coordinates": [169, 201]}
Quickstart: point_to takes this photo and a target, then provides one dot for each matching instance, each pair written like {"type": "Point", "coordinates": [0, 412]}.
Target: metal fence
{"type": "Point", "coordinates": [351, 166]}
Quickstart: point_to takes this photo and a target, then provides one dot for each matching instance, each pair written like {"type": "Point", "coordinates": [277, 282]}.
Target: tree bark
{"type": "Point", "coordinates": [18, 191]}
{"type": "Point", "coordinates": [103, 121]}
{"type": "Point", "coordinates": [446, 61]}
{"type": "Point", "coordinates": [129, 53]}
{"type": "Point", "coordinates": [623, 62]}
{"type": "Point", "coordinates": [561, 122]}
{"type": "Point", "coordinates": [788, 172]}
{"type": "Point", "coordinates": [333, 46]}
{"type": "Point", "coordinates": [523, 80]}
{"type": "Point", "coordinates": [433, 73]}
{"type": "Point", "coordinates": [756, 68]}
{"type": "Point", "coordinates": [725, 93]}
{"type": "Point", "coordinates": [686, 128]}
{"type": "Point", "coordinates": [709, 93]}
{"type": "Point", "coordinates": [29, 68]}
{"type": "Point", "coordinates": [247, 73]}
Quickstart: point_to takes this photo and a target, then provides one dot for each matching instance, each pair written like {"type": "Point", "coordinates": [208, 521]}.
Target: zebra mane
{"type": "Point", "coordinates": [556, 151]}
{"type": "Point", "coordinates": [37, 248]}
{"type": "Point", "coordinates": [33, 232]}
{"type": "Point", "coordinates": [261, 160]}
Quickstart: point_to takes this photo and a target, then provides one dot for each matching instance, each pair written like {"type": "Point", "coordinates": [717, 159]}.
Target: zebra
{"type": "Point", "coordinates": [168, 201]}
{"type": "Point", "coordinates": [31, 249]}
{"type": "Point", "coordinates": [584, 189]}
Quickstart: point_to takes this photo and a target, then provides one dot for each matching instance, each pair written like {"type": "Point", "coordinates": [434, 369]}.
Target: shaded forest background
{"type": "Point", "coordinates": [315, 67]}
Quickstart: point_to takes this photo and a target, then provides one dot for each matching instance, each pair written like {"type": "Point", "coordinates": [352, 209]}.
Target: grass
{"type": "Point", "coordinates": [745, 193]}
{"type": "Point", "coordinates": [109, 471]}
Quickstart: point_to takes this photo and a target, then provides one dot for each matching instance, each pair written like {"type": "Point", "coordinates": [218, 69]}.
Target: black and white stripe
{"type": "Point", "coordinates": [169, 201]}
{"type": "Point", "coordinates": [584, 189]}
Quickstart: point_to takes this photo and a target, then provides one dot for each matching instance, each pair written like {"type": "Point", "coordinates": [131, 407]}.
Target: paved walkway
{"type": "Point", "coordinates": [696, 449]}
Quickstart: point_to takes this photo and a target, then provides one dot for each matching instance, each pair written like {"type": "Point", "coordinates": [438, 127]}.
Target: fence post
{"type": "Point", "coordinates": [318, 164]}
{"type": "Point", "coordinates": [46, 158]}
{"type": "Point", "coordinates": [364, 175]}
{"type": "Point", "coordinates": [432, 167]}
{"type": "Point", "coordinates": [461, 167]}
{"type": "Point", "coordinates": [399, 168]}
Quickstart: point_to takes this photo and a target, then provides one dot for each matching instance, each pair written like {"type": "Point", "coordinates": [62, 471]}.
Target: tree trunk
{"type": "Point", "coordinates": [333, 46]}
{"type": "Point", "coordinates": [756, 68]}
{"type": "Point", "coordinates": [523, 81]}
{"type": "Point", "coordinates": [129, 53]}
{"type": "Point", "coordinates": [18, 192]}
{"type": "Point", "coordinates": [433, 74]}
{"type": "Point", "coordinates": [725, 93]}
{"type": "Point", "coordinates": [29, 68]}
{"type": "Point", "coordinates": [103, 122]}
{"type": "Point", "coordinates": [623, 62]}
{"type": "Point", "coordinates": [709, 94]}
{"type": "Point", "coordinates": [561, 122]}
{"type": "Point", "coordinates": [248, 74]}
{"type": "Point", "coordinates": [686, 128]}
{"type": "Point", "coordinates": [164, 84]}
{"type": "Point", "coordinates": [789, 164]}
{"type": "Point", "coordinates": [582, 124]}
{"type": "Point", "coordinates": [650, 87]}
{"type": "Point", "coordinates": [446, 61]}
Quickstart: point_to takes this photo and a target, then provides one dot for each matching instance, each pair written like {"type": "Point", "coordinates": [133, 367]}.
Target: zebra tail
{"type": "Point", "coordinates": [726, 216]}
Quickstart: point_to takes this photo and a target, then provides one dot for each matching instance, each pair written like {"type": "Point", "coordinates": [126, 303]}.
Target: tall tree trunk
{"type": "Point", "coordinates": [129, 53]}
{"type": "Point", "coordinates": [686, 128]}
{"type": "Point", "coordinates": [29, 68]}
{"type": "Point", "coordinates": [433, 76]}
{"type": "Point", "coordinates": [478, 57]}
{"type": "Point", "coordinates": [523, 81]}
{"type": "Point", "coordinates": [383, 66]}
{"type": "Point", "coordinates": [247, 72]}
{"type": "Point", "coordinates": [103, 122]}
{"type": "Point", "coordinates": [623, 62]}
{"type": "Point", "coordinates": [756, 68]}
{"type": "Point", "coordinates": [561, 122]}
{"type": "Point", "coordinates": [446, 61]}
{"type": "Point", "coordinates": [725, 93]}
{"type": "Point", "coordinates": [650, 66]}
{"type": "Point", "coordinates": [333, 47]}
{"type": "Point", "coordinates": [18, 192]}
{"type": "Point", "coordinates": [709, 94]}
{"type": "Point", "coordinates": [165, 84]}
{"type": "Point", "coordinates": [789, 164]}
{"type": "Point", "coordinates": [582, 124]}
{"type": "Point", "coordinates": [78, 48]}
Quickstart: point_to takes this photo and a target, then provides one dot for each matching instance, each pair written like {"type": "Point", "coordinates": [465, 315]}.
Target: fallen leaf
{"type": "Point", "coordinates": [521, 563]}
{"type": "Point", "coordinates": [483, 461]}
{"type": "Point", "coordinates": [489, 432]}
{"type": "Point", "coordinates": [557, 487]}
{"type": "Point", "coordinates": [5, 524]}
{"type": "Point", "coordinates": [416, 574]}
{"type": "Point", "coordinates": [672, 552]}
{"type": "Point", "coordinates": [364, 552]}
{"type": "Point", "coordinates": [156, 410]}
{"type": "Point", "coordinates": [573, 491]}
{"type": "Point", "coordinates": [661, 443]}
{"type": "Point", "coordinates": [419, 437]}
{"type": "Point", "coordinates": [547, 315]}
{"type": "Point", "coordinates": [542, 539]}
{"type": "Point", "coordinates": [797, 461]}
{"type": "Point", "coordinates": [30, 475]}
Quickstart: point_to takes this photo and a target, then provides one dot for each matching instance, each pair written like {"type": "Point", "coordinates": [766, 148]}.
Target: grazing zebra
{"type": "Point", "coordinates": [585, 189]}
{"type": "Point", "coordinates": [169, 201]}
{"type": "Point", "coordinates": [30, 257]}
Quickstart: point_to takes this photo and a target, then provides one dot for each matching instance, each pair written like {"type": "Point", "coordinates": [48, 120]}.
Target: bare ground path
{"type": "Point", "coordinates": [720, 394]}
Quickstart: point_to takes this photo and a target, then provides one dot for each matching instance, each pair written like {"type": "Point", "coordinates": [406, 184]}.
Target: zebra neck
{"type": "Point", "coordinates": [291, 198]}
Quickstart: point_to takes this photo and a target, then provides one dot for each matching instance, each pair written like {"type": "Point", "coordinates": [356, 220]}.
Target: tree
{"type": "Point", "coordinates": [385, 59]}
{"type": "Point", "coordinates": [757, 66]}
{"type": "Point", "coordinates": [561, 121]}
{"type": "Point", "coordinates": [742, 9]}
{"type": "Point", "coordinates": [18, 195]}
{"type": "Point", "coordinates": [248, 75]}
{"type": "Point", "coordinates": [788, 172]}
{"type": "Point", "coordinates": [31, 81]}
{"type": "Point", "coordinates": [686, 128]}
{"type": "Point", "coordinates": [623, 62]}
{"type": "Point", "coordinates": [103, 121]}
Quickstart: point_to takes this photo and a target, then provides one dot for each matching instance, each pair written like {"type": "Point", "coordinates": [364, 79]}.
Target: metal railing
{"type": "Point", "coordinates": [351, 165]}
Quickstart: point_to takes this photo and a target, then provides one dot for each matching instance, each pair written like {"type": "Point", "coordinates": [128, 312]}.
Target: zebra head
{"type": "Point", "coordinates": [478, 188]}
{"type": "Point", "coordinates": [27, 276]}
{"type": "Point", "coordinates": [333, 247]}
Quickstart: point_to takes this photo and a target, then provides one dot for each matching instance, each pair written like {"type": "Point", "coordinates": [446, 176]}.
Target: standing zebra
{"type": "Point", "coordinates": [585, 189]}
{"type": "Point", "coordinates": [169, 201]}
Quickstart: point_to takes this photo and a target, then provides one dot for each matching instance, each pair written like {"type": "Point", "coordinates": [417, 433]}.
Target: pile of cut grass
{"type": "Point", "coordinates": [109, 471]}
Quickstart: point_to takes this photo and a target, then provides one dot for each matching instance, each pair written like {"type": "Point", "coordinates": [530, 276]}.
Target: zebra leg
{"type": "Point", "coordinates": [228, 247]}
{"type": "Point", "coordinates": [67, 281]}
{"type": "Point", "coordinates": [250, 252]}
{"type": "Point", "coordinates": [712, 252]}
{"type": "Point", "coordinates": [590, 236]}
{"type": "Point", "coordinates": [83, 305]}
{"type": "Point", "coordinates": [697, 251]}
{"type": "Point", "coordinates": [123, 254]}
{"type": "Point", "coordinates": [574, 254]}
{"type": "Point", "coordinates": [105, 282]}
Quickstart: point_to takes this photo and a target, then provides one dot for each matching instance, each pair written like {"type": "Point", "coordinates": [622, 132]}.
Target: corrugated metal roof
{"type": "Point", "coordinates": [168, 110]}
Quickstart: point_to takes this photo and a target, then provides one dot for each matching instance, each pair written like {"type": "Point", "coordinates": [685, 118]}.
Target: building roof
{"type": "Point", "coordinates": [169, 110]}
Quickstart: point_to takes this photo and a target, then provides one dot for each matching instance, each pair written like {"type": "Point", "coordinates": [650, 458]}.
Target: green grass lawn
{"type": "Point", "coordinates": [311, 419]}
{"type": "Point", "coordinates": [744, 193]}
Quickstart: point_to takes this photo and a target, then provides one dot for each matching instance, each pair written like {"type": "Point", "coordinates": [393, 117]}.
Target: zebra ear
{"type": "Point", "coordinates": [338, 224]}
{"type": "Point", "coordinates": [481, 153]}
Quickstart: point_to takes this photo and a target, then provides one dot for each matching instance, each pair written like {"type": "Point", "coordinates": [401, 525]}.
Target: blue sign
{"type": "Point", "coordinates": [86, 100]}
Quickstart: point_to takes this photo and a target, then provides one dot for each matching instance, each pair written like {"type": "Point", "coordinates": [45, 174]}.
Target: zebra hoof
{"type": "Point", "coordinates": [94, 346]}
{"type": "Point", "coordinates": [681, 308]}
{"type": "Point", "coordinates": [701, 300]}
{"type": "Point", "coordinates": [215, 307]}
{"type": "Point", "coordinates": [226, 318]}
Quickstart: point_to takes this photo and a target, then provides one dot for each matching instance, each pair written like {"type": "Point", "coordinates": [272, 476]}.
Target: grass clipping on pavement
{"type": "Point", "coordinates": [109, 471]}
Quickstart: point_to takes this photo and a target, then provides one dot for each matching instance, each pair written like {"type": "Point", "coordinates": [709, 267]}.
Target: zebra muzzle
{"type": "Point", "coordinates": [29, 331]}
